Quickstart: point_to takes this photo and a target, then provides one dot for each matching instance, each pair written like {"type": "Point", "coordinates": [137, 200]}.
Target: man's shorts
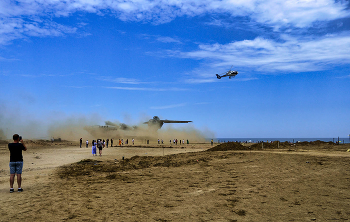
{"type": "Point", "coordinates": [16, 167]}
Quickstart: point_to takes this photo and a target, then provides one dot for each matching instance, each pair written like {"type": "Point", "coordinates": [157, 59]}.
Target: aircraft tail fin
{"type": "Point", "coordinates": [218, 76]}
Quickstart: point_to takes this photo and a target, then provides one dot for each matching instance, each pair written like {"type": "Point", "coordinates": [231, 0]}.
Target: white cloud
{"type": "Point", "coordinates": [25, 18]}
{"type": "Point", "coordinates": [124, 81]}
{"type": "Point", "coordinates": [145, 89]}
{"type": "Point", "coordinates": [7, 59]}
{"type": "Point", "coordinates": [17, 28]}
{"type": "Point", "coordinates": [344, 77]}
{"type": "Point", "coordinates": [163, 39]}
{"type": "Point", "coordinates": [168, 106]}
{"type": "Point", "coordinates": [167, 40]}
{"type": "Point", "coordinates": [291, 55]}
{"type": "Point", "coordinates": [201, 80]}
{"type": "Point", "coordinates": [301, 13]}
{"type": "Point", "coordinates": [276, 13]}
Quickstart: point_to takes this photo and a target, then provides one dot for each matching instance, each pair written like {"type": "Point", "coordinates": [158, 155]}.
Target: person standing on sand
{"type": "Point", "coordinates": [81, 141]}
{"type": "Point", "coordinates": [16, 161]}
{"type": "Point", "coordinates": [111, 142]}
{"type": "Point", "coordinates": [100, 145]}
{"type": "Point", "coordinates": [94, 148]}
{"type": "Point", "coordinates": [87, 143]}
{"type": "Point", "coordinates": [133, 141]}
{"type": "Point", "coordinates": [120, 142]}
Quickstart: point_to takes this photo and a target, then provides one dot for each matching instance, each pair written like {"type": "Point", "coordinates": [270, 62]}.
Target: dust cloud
{"type": "Point", "coordinates": [2, 135]}
{"type": "Point", "coordinates": [183, 133]}
{"type": "Point", "coordinates": [142, 132]}
{"type": "Point", "coordinates": [13, 120]}
{"type": "Point", "coordinates": [36, 126]}
{"type": "Point", "coordinates": [71, 128]}
{"type": "Point", "coordinates": [74, 127]}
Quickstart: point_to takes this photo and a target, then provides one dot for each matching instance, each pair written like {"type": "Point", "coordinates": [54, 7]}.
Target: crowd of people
{"type": "Point", "coordinates": [175, 141]}
{"type": "Point", "coordinates": [100, 144]}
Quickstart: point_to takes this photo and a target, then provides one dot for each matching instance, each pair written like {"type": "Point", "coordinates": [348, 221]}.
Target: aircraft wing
{"type": "Point", "coordinates": [175, 121]}
{"type": "Point", "coordinates": [158, 122]}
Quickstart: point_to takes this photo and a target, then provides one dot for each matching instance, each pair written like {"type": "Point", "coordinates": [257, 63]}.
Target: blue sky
{"type": "Point", "coordinates": [90, 61]}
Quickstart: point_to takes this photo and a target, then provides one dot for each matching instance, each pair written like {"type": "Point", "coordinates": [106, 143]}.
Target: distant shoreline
{"type": "Point", "coordinates": [345, 140]}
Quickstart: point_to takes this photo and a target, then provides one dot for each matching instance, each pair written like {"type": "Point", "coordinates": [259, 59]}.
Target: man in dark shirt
{"type": "Point", "coordinates": [16, 161]}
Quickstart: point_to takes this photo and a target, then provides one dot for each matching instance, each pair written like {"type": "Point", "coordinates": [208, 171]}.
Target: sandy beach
{"type": "Point", "coordinates": [180, 183]}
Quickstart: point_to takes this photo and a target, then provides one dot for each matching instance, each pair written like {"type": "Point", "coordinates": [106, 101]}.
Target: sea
{"type": "Point", "coordinates": [292, 140]}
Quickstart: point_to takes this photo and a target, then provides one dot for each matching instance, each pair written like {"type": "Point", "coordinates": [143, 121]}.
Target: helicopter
{"type": "Point", "coordinates": [229, 73]}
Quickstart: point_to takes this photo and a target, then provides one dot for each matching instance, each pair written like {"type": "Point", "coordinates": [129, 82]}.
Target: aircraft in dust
{"type": "Point", "coordinates": [110, 128]}
{"type": "Point", "coordinates": [230, 73]}
{"type": "Point", "coordinates": [158, 123]}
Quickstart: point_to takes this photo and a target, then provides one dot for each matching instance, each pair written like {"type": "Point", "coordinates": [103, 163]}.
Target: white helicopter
{"type": "Point", "coordinates": [229, 73]}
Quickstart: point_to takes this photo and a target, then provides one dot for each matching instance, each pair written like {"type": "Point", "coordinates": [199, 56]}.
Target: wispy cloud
{"type": "Point", "coordinates": [146, 89]}
{"type": "Point", "coordinates": [212, 78]}
{"type": "Point", "coordinates": [299, 13]}
{"type": "Point", "coordinates": [168, 40]}
{"type": "Point", "coordinates": [78, 87]}
{"type": "Point", "coordinates": [169, 106]}
{"type": "Point", "coordinates": [202, 103]}
{"type": "Point", "coordinates": [7, 59]}
{"type": "Point", "coordinates": [290, 55]}
{"type": "Point", "coordinates": [43, 75]}
{"type": "Point", "coordinates": [245, 79]}
{"type": "Point", "coordinates": [344, 77]}
{"type": "Point", "coordinates": [18, 28]}
{"type": "Point", "coordinates": [122, 80]}
{"type": "Point", "coordinates": [22, 18]}
{"type": "Point", "coordinates": [177, 105]}
{"type": "Point", "coordinates": [163, 39]}
{"type": "Point", "coordinates": [201, 80]}
{"type": "Point", "coordinates": [27, 18]}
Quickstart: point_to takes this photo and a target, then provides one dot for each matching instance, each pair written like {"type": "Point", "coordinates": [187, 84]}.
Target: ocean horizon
{"type": "Point", "coordinates": [296, 139]}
